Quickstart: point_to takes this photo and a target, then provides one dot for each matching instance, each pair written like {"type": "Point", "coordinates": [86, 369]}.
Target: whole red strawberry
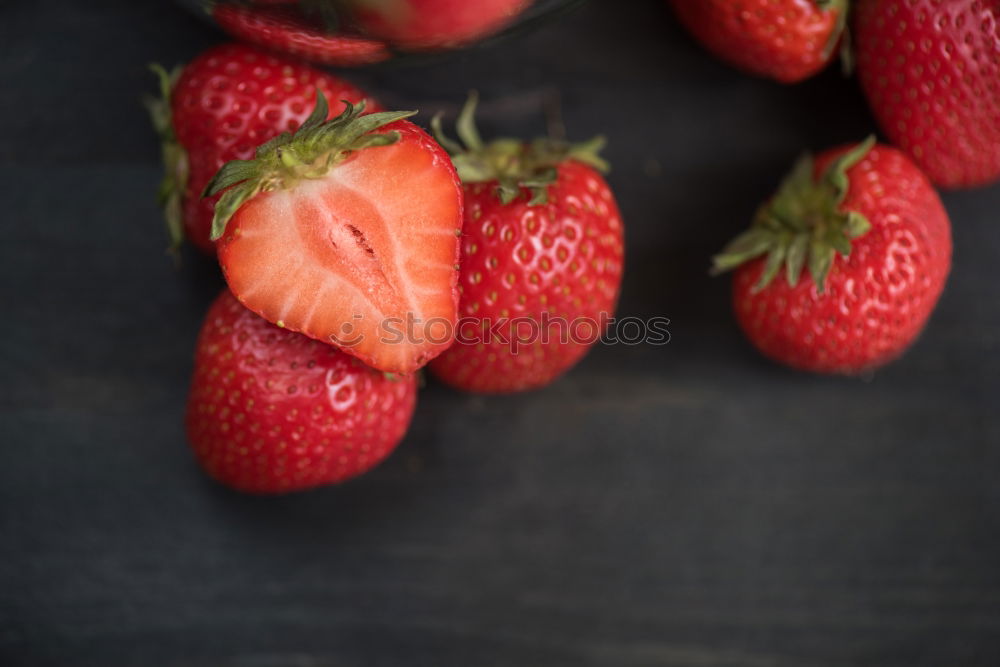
{"type": "Point", "coordinates": [931, 71]}
{"type": "Point", "coordinates": [271, 411]}
{"type": "Point", "coordinates": [785, 40]}
{"type": "Point", "coordinates": [287, 30]}
{"type": "Point", "coordinates": [542, 252]}
{"type": "Point", "coordinates": [220, 107]}
{"type": "Point", "coordinates": [422, 25]}
{"type": "Point", "coordinates": [876, 241]}
{"type": "Point", "coordinates": [347, 231]}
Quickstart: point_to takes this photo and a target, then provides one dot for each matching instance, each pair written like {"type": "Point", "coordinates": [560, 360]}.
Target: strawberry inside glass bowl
{"type": "Point", "coordinates": [348, 33]}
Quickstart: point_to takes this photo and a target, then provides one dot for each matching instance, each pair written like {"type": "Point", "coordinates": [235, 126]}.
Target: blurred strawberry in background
{"type": "Point", "coordinates": [347, 33]}
{"type": "Point", "coordinates": [784, 40]}
{"type": "Point", "coordinates": [931, 71]}
{"type": "Point", "coordinates": [286, 28]}
{"type": "Point", "coordinates": [427, 25]}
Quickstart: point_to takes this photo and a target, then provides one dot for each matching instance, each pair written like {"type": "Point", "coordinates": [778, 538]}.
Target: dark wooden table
{"type": "Point", "coordinates": [688, 505]}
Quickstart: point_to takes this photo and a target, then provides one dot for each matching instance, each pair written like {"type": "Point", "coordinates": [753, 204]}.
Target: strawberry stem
{"type": "Point", "coordinates": [803, 225]}
{"type": "Point", "coordinates": [512, 163]}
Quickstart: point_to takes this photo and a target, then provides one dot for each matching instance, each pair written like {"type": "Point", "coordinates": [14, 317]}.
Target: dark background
{"type": "Point", "coordinates": [689, 505]}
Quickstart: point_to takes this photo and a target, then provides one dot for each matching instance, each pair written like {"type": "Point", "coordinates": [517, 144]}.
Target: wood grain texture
{"type": "Point", "coordinates": [687, 505]}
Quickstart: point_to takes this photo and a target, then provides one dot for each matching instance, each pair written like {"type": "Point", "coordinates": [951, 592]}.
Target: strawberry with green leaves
{"type": "Point", "coordinates": [220, 107]}
{"type": "Point", "coordinates": [930, 69]}
{"type": "Point", "coordinates": [272, 411]}
{"type": "Point", "coordinates": [844, 265]}
{"type": "Point", "coordinates": [347, 231]}
{"type": "Point", "coordinates": [542, 254]}
{"type": "Point", "coordinates": [784, 40]}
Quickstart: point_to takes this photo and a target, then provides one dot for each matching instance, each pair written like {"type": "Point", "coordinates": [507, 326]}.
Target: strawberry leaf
{"type": "Point", "coordinates": [775, 259]}
{"type": "Point", "coordinates": [820, 261]}
{"type": "Point", "coordinates": [857, 225]}
{"type": "Point", "coordinates": [796, 258]}
{"type": "Point", "coordinates": [803, 224]}
{"type": "Point", "coordinates": [310, 152]}
{"type": "Point", "coordinates": [175, 162]}
{"type": "Point", "coordinates": [466, 125]}
{"type": "Point", "coordinates": [836, 173]}
{"type": "Point", "coordinates": [512, 163]}
{"type": "Point", "coordinates": [748, 245]}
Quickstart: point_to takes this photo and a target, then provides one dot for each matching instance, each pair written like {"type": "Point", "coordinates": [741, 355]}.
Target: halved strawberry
{"type": "Point", "coordinates": [347, 231]}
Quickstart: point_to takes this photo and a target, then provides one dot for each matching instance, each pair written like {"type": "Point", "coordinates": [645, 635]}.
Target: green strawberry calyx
{"type": "Point", "coordinates": [842, 7]}
{"type": "Point", "coordinates": [315, 148]}
{"type": "Point", "coordinates": [803, 225]}
{"type": "Point", "coordinates": [175, 160]}
{"type": "Point", "coordinates": [512, 163]}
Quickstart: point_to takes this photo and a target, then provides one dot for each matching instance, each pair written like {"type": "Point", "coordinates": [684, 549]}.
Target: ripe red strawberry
{"type": "Point", "coordinates": [857, 311]}
{"type": "Point", "coordinates": [272, 411]}
{"type": "Point", "coordinates": [287, 30]}
{"type": "Point", "coordinates": [220, 107]}
{"type": "Point", "coordinates": [422, 25]}
{"type": "Point", "coordinates": [931, 71]}
{"type": "Point", "coordinates": [785, 40]}
{"type": "Point", "coordinates": [347, 231]}
{"type": "Point", "coordinates": [542, 250]}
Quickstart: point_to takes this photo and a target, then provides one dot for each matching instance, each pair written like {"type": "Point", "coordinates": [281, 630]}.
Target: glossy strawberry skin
{"type": "Point", "coordinates": [785, 40]}
{"type": "Point", "coordinates": [931, 71]}
{"type": "Point", "coordinates": [427, 25]}
{"type": "Point", "coordinates": [559, 260]}
{"type": "Point", "coordinates": [878, 299]}
{"type": "Point", "coordinates": [271, 411]}
{"type": "Point", "coordinates": [286, 30]}
{"type": "Point", "coordinates": [381, 227]}
{"type": "Point", "coordinates": [229, 100]}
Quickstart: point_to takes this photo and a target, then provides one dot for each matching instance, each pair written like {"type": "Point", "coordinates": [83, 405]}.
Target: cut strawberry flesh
{"type": "Point", "coordinates": [353, 257]}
